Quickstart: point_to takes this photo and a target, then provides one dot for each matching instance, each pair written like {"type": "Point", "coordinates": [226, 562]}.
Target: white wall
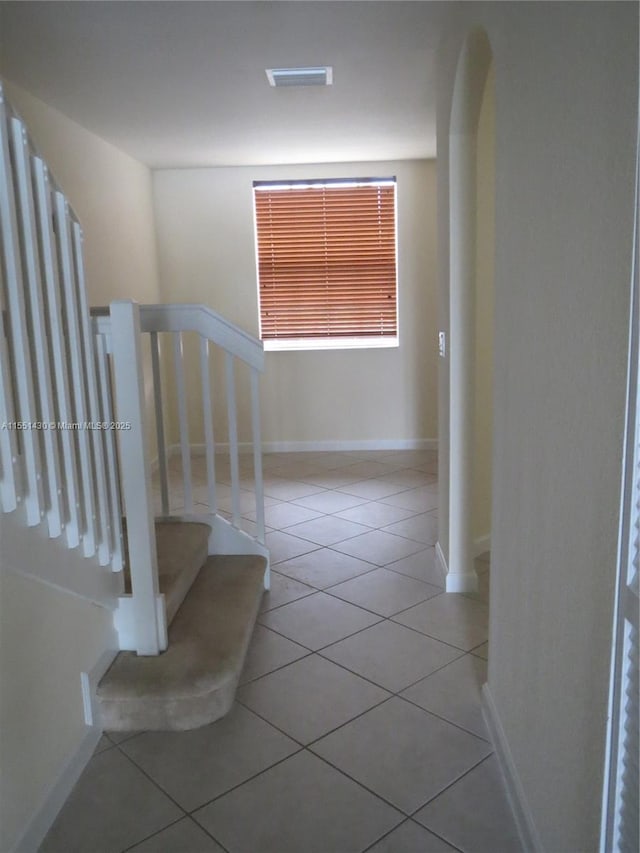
{"type": "Point", "coordinates": [566, 104]}
{"type": "Point", "coordinates": [206, 246]}
{"type": "Point", "coordinates": [48, 637]}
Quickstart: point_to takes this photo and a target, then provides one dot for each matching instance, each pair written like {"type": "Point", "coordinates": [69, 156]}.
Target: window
{"type": "Point", "coordinates": [327, 263]}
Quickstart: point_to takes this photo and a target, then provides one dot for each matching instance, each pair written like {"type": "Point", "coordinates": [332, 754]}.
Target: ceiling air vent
{"type": "Point", "coordinates": [316, 76]}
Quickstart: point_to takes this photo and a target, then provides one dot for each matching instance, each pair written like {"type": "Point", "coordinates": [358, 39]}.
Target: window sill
{"type": "Point", "coordinates": [298, 344]}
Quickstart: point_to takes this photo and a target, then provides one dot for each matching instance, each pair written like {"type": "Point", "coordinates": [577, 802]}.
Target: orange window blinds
{"type": "Point", "coordinates": [327, 259]}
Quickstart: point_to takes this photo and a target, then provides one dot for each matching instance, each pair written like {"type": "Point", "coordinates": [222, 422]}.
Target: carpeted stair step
{"type": "Point", "coordinates": [194, 682]}
{"type": "Point", "coordinates": [182, 548]}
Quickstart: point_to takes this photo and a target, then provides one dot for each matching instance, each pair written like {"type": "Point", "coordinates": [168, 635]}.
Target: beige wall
{"type": "Point", "coordinates": [111, 195]}
{"type": "Point", "coordinates": [566, 106]}
{"type": "Point", "coordinates": [207, 254]}
{"type": "Point", "coordinates": [485, 263]}
{"type": "Point", "coordinates": [48, 637]}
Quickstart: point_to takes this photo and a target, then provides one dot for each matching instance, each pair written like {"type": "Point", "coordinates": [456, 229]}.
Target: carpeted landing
{"type": "Point", "coordinates": [194, 681]}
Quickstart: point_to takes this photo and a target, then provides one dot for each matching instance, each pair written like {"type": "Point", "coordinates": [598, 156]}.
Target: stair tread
{"type": "Point", "coordinates": [178, 544]}
{"type": "Point", "coordinates": [193, 682]}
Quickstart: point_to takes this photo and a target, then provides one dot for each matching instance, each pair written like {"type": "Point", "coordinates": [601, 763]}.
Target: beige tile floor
{"type": "Point", "coordinates": [357, 725]}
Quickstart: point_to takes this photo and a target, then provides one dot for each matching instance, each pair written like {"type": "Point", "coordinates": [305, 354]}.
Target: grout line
{"type": "Point", "coordinates": [319, 652]}
{"type": "Point", "coordinates": [184, 817]}
{"type": "Point", "coordinates": [153, 781]}
{"type": "Point", "coordinates": [271, 671]}
{"type": "Point", "coordinates": [415, 822]}
{"type": "Point", "coordinates": [361, 785]}
{"type": "Point", "coordinates": [450, 785]}
{"type": "Point", "coordinates": [440, 717]}
{"type": "Point", "coordinates": [248, 779]}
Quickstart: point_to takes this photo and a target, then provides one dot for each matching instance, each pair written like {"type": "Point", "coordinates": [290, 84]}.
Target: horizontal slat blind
{"type": "Point", "coordinates": [327, 261]}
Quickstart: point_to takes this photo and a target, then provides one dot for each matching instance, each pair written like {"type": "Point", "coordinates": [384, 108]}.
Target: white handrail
{"type": "Point", "coordinates": [205, 321]}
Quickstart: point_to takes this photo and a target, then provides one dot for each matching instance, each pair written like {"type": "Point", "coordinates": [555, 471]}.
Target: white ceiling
{"type": "Point", "coordinates": [184, 84]}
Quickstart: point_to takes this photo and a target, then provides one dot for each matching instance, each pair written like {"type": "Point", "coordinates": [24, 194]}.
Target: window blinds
{"type": "Point", "coordinates": [326, 259]}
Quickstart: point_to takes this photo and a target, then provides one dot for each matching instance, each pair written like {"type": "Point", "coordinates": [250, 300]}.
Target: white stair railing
{"type": "Point", "coordinates": [66, 461]}
{"type": "Point", "coordinates": [236, 346]}
{"type": "Point", "coordinates": [120, 332]}
{"type": "Point", "coordinates": [54, 452]}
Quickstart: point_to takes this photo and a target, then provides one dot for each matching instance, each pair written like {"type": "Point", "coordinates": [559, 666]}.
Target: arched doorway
{"type": "Point", "coordinates": [470, 333]}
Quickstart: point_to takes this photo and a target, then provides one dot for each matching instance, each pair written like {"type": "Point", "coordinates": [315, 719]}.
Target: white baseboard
{"type": "Point", "coordinates": [441, 560]}
{"type": "Point", "coordinates": [529, 836]}
{"type": "Point", "coordinates": [42, 820]}
{"type": "Point", "coordinates": [353, 445]}
{"type": "Point", "coordinates": [455, 581]}
{"type": "Point", "coordinates": [89, 682]}
{"type": "Point", "coordinates": [313, 446]}
{"type": "Point", "coordinates": [461, 582]}
{"type": "Point", "coordinates": [481, 545]}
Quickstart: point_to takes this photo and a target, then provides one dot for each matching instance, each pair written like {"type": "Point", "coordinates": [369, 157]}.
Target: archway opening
{"type": "Point", "coordinates": [471, 248]}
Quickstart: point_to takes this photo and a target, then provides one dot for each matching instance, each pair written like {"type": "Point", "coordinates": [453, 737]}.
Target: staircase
{"type": "Point", "coordinates": [91, 404]}
{"type": "Point", "coordinates": [215, 602]}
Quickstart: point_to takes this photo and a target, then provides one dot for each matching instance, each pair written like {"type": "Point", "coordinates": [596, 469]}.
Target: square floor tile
{"type": "Point", "coordinates": [428, 467]}
{"type": "Point", "coordinates": [195, 766]}
{"type": "Point", "coordinates": [283, 590]}
{"type": "Point", "coordinates": [112, 806]}
{"type": "Point", "coordinates": [371, 467]}
{"type": "Point", "coordinates": [409, 837]}
{"type": "Point", "coordinates": [246, 502]}
{"type": "Point", "coordinates": [384, 592]}
{"type": "Point", "coordinates": [474, 814]}
{"type": "Point", "coordinates": [330, 479]}
{"type": "Point", "coordinates": [421, 528]}
{"type": "Point", "coordinates": [402, 753]}
{"type": "Point", "coordinates": [317, 620]}
{"type": "Point", "coordinates": [324, 567]}
{"type": "Point", "coordinates": [410, 478]}
{"type": "Point", "coordinates": [283, 546]}
{"type": "Point", "coordinates": [330, 459]}
{"type": "Point", "coordinates": [310, 697]}
{"type": "Point", "coordinates": [294, 470]}
{"type": "Point", "coordinates": [378, 547]}
{"type": "Point", "coordinates": [329, 501]}
{"type": "Point", "coordinates": [451, 618]}
{"type": "Point", "coordinates": [288, 490]}
{"type": "Point", "coordinates": [390, 655]}
{"type": "Point", "coordinates": [300, 806]}
{"type": "Point", "coordinates": [454, 692]}
{"type": "Point", "coordinates": [424, 566]}
{"type": "Point", "coordinates": [185, 836]}
{"type": "Point", "coordinates": [411, 458]}
{"type": "Point", "coordinates": [327, 530]}
{"type": "Point", "coordinates": [375, 514]}
{"type": "Point", "coordinates": [373, 490]}
{"type": "Point", "coordinates": [422, 499]}
{"type": "Point", "coordinates": [284, 514]}
{"type": "Point", "coordinates": [268, 651]}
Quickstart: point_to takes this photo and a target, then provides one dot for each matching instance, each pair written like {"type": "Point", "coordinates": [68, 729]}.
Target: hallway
{"type": "Point", "coordinates": [357, 725]}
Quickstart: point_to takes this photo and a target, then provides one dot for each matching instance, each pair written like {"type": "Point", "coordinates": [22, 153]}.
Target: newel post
{"type": "Point", "coordinates": [146, 616]}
